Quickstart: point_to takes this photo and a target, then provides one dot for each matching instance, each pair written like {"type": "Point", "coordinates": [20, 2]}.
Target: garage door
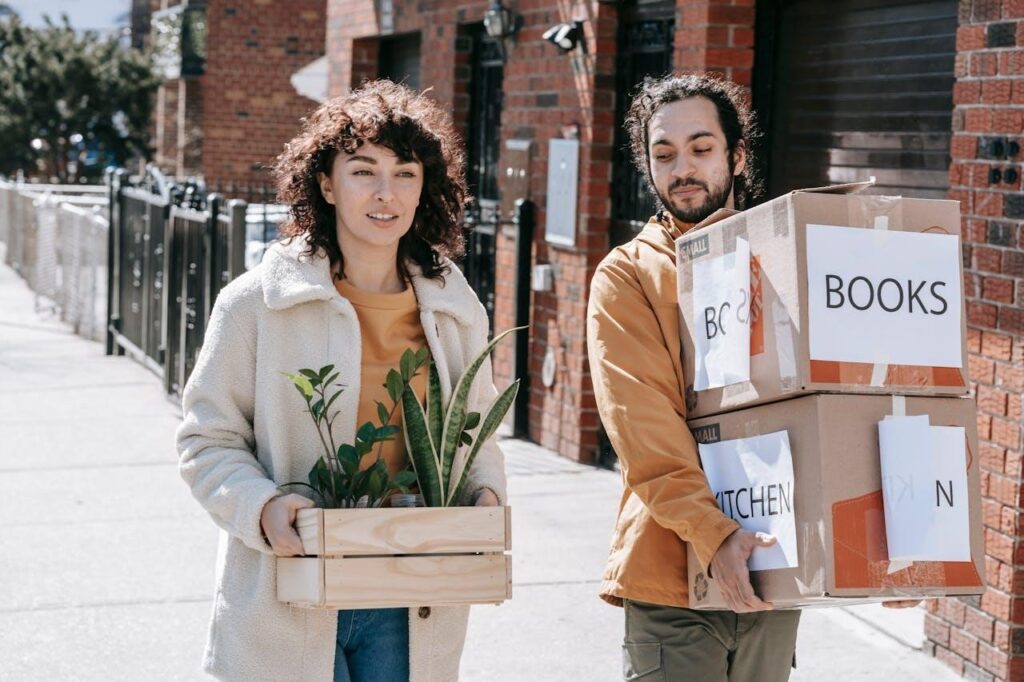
{"type": "Point", "coordinates": [847, 90]}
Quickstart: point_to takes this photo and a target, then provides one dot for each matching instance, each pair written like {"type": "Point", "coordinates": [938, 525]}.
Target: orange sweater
{"type": "Point", "coordinates": [388, 324]}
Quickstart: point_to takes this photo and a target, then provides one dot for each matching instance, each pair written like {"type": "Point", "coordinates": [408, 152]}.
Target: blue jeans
{"type": "Point", "coordinates": [373, 646]}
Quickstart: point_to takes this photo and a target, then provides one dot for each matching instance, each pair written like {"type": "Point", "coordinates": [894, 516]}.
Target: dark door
{"type": "Point", "coordinates": [852, 89]}
{"type": "Point", "coordinates": [645, 49]}
{"type": "Point", "coordinates": [399, 59]}
{"type": "Point", "coordinates": [484, 148]}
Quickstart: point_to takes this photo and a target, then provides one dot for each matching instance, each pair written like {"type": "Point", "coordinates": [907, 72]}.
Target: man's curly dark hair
{"type": "Point", "coordinates": [412, 126]}
{"type": "Point", "coordinates": [733, 114]}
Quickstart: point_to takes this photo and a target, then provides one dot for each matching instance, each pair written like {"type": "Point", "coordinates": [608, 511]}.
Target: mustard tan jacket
{"type": "Point", "coordinates": [636, 366]}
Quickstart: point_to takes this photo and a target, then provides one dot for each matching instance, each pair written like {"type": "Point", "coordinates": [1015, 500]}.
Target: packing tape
{"type": "Point", "coordinates": [899, 406]}
{"type": "Point", "coordinates": [880, 369]}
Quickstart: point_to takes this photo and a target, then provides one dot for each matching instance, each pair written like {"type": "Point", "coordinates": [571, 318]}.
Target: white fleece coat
{"type": "Point", "coordinates": [245, 432]}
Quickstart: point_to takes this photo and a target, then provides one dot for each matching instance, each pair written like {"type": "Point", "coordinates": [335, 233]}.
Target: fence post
{"type": "Point", "coordinates": [211, 247]}
{"type": "Point", "coordinates": [236, 237]}
{"type": "Point", "coordinates": [115, 181]}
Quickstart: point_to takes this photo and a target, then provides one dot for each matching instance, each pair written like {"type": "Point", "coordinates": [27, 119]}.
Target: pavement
{"type": "Point", "coordinates": [107, 563]}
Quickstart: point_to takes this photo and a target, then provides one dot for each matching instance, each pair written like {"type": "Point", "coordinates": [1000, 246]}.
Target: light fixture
{"type": "Point", "coordinates": [566, 36]}
{"type": "Point", "coordinates": [501, 22]}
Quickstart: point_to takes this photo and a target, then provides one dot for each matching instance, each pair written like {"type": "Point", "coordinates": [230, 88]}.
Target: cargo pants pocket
{"type": "Point", "coordinates": [641, 661]}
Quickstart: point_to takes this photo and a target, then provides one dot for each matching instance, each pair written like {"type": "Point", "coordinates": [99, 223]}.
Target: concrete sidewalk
{"type": "Point", "coordinates": [107, 564]}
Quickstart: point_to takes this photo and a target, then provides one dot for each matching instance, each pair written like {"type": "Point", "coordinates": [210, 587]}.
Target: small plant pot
{"type": "Point", "coordinates": [399, 557]}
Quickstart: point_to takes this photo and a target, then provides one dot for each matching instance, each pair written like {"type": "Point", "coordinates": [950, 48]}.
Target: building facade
{"type": "Point", "coordinates": [228, 104]}
{"type": "Point", "coordinates": [925, 95]}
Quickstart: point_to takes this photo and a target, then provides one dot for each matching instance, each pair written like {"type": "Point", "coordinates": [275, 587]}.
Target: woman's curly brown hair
{"type": "Point", "coordinates": [415, 129]}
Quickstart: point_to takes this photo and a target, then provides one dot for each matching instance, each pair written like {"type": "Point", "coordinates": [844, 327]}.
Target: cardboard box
{"type": "Point", "coordinates": [837, 502]}
{"type": "Point", "coordinates": [877, 308]}
{"type": "Point", "coordinates": [399, 557]}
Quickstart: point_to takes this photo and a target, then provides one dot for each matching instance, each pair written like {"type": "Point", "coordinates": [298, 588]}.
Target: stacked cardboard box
{"type": "Point", "coordinates": [825, 360]}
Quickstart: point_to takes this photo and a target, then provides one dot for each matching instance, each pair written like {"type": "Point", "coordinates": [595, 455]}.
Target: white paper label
{"type": "Point", "coordinates": [884, 296]}
{"type": "Point", "coordinates": [924, 490]}
{"type": "Point", "coordinates": [752, 480]}
{"type": "Point", "coordinates": [721, 318]}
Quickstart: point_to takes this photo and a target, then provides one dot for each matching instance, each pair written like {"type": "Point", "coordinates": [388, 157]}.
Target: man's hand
{"type": "Point", "coordinates": [729, 569]}
{"type": "Point", "coordinates": [278, 522]}
{"type": "Point", "coordinates": [901, 603]}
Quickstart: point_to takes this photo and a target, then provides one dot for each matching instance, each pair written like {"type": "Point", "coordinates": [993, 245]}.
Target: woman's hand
{"type": "Point", "coordinates": [486, 498]}
{"type": "Point", "coordinates": [278, 522]}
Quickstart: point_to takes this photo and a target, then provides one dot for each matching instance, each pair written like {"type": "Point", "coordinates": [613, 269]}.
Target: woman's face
{"type": "Point", "coordinates": [374, 194]}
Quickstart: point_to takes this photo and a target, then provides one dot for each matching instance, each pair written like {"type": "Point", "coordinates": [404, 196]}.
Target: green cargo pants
{"type": "Point", "coordinates": [671, 644]}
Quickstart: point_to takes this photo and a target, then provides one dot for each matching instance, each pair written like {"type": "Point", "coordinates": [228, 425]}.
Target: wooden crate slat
{"type": "Point", "coordinates": [421, 530]}
{"type": "Point", "coordinates": [309, 523]}
{"type": "Point", "coordinates": [300, 580]}
{"type": "Point", "coordinates": [380, 582]}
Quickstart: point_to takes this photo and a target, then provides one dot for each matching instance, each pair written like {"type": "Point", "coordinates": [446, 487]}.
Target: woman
{"type": "Point", "coordinates": [375, 187]}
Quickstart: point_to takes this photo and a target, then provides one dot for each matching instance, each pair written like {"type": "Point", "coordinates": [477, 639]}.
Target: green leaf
{"type": "Point", "coordinates": [466, 439]}
{"type": "Point", "coordinates": [331, 401]}
{"type": "Point", "coordinates": [472, 421]}
{"type": "Point", "coordinates": [302, 384]}
{"type": "Point", "coordinates": [403, 479]}
{"type": "Point", "coordinates": [382, 413]}
{"type": "Point", "coordinates": [495, 413]}
{"type": "Point", "coordinates": [317, 409]}
{"type": "Point", "coordinates": [421, 356]}
{"type": "Point", "coordinates": [325, 370]}
{"type": "Point", "coordinates": [347, 455]}
{"type": "Point", "coordinates": [386, 432]}
{"type": "Point", "coordinates": [331, 379]}
{"type": "Point", "coordinates": [421, 451]}
{"type": "Point", "coordinates": [366, 433]}
{"type": "Point", "coordinates": [435, 407]}
{"type": "Point", "coordinates": [408, 364]}
{"type": "Point", "coordinates": [456, 413]}
{"type": "Point", "coordinates": [395, 385]}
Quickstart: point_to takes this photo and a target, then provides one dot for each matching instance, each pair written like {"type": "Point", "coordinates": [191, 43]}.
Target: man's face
{"type": "Point", "coordinates": [690, 161]}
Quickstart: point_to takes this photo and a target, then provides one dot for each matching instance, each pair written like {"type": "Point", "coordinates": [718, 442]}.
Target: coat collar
{"type": "Point", "coordinates": [291, 277]}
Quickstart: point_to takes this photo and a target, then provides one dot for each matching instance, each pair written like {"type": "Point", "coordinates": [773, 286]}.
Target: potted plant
{"type": "Point", "coordinates": [362, 554]}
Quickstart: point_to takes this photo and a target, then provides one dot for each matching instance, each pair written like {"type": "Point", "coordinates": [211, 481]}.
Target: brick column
{"type": "Point", "coordinates": [716, 35]}
{"type": "Point", "coordinates": [982, 638]}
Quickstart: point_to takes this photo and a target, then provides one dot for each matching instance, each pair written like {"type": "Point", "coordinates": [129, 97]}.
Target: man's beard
{"type": "Point", "coordinates": [715, 200]}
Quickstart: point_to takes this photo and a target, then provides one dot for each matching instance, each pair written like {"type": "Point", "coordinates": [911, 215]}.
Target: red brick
{"type": "Point", "coordinates": [982, 314]}
{"type": "Point", "coordinates": [983, 64]}
{"type": "Point", "coordinates": [1001, 636]}
{"type": "Point", "coordinates": [1010, 376]}
{"type": "Point", "coordinates": [1006, 432]}
{"type": "Point", "coordinates": [1007, 121]}
{"type": "Point", "coordinates": [979, 624]}
{"type": "Point", "coordinates": [963, 146]}
{"type": "Point", "coordinates": [1014, 408]}
{"type": "Point", "coordinates": [963, 644]}
{"type": "Point", "coordinates": [1011, 320]}
{"type": "Point", "coordinates": [988, 259]}
{"type": "Point", "coordinates": [967, 92]}
{"type": "Point", "coordinates": [978, 120]}
{"type": "Point", "coordinates": [993, 660]}
{"type": "Point", "coordinates": [997, 289]}
{"type": "Point", "coordinates": [981, 369]}
{"type": "Point", "coordinates": [1011, 63]}
{"type": "Point", "coordinates": [953, 610]}
{"type": "Point", "coordinates": [936, 630]}
{"type": "Point", "coordinates": [996, 346]}
{"type": "Point", "coordinates": [996, 603]}
{"type": "Point", "coordinates": [950, 659]}
{"type": "Point", "coordinates": [992, 400]}
{"type": "Point", "coordinates": [970, 38]}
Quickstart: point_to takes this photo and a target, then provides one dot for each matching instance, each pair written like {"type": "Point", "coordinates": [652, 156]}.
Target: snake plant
{"type": "Point", "coordinates": [434, 431]}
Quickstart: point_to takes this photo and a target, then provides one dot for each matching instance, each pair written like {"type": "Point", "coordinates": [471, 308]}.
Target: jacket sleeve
{"type": "Point", "coordinates": [488, 469]}
{"type": "Point", "coordinates": [642, 409]}
{"type": "Point", "coordinates": [215, 441]}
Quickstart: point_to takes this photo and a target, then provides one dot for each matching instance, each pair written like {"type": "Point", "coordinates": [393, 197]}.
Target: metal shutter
{"type": "Point", "coordinates": [857, 89]}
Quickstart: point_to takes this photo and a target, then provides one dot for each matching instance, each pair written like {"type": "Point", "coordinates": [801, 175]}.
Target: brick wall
{"type": "Point", "coordinates": [716, 35]}
{"type": "Point", "coordinates": [250, 109]}
{"type": "Point", "coordinates": [983, 637]}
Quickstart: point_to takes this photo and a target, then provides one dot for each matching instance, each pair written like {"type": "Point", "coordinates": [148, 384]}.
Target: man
{"type": "Point", "coordinates": [690, 137]}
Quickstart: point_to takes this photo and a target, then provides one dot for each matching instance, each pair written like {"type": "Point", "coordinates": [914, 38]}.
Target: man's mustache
{"type": "Point", "coordinates": [684, 183]}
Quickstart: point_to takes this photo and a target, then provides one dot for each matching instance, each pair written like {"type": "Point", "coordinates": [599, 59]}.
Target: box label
{"type": "Point", "coordinates": [752, 480]}
{"type": "Point", "coordinates": [924, 490]}
{"type": "Point", "coordinates": [883, 296]}
{"type": "Point", "coordinates": [721, 319]}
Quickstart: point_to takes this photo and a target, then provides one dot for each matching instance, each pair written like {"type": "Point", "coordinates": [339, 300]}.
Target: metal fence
{"type": "Point", "coordinates": [55, 238]}
{"type": "Point", "coordinates": [173, 248]}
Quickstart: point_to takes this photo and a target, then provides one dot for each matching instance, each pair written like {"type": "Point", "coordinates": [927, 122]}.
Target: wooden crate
{"type": "Point", "coordinates": [376, 558]}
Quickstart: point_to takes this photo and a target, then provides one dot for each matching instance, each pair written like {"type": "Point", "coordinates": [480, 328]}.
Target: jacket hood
{"type": "Point", "coordinates": [291, 277]}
